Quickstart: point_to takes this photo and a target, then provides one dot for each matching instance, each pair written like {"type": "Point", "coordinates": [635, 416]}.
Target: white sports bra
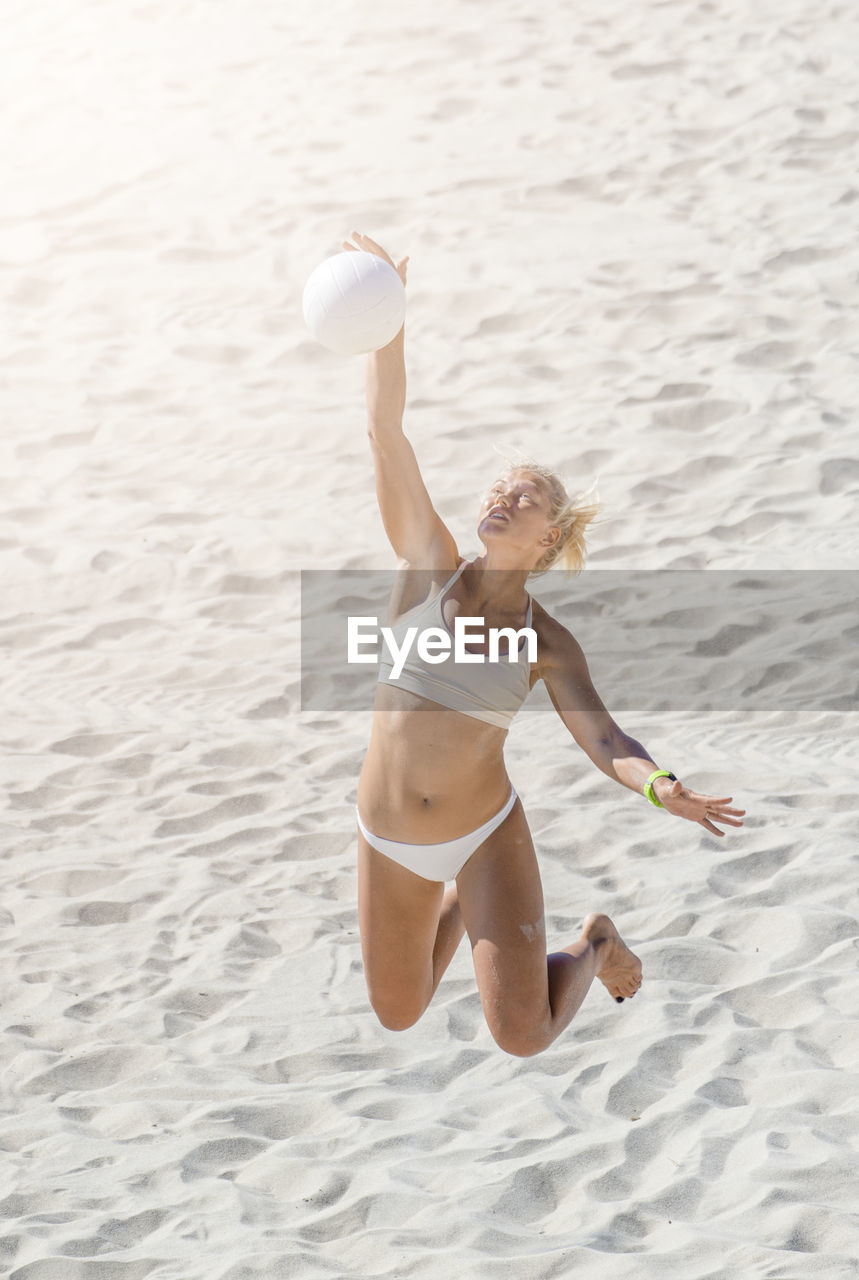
{"type": "Point", "coordinates": [490, 691]}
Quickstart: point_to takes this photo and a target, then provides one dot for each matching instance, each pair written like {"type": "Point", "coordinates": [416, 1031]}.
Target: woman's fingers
{"type": "Point", "coordinates": [731, 822]}
{"type": "Point", "coordinates": [718, 805]}
{"type": "Point", "coordinates": [374, 245]}
{"type": "Point", "coordinates": [722, 811]}
{"type": "Point", "coordinates": [705, 810]}
{"type": "Point", "coordinates": [365, 242]}
{"type": "Point", "coordinates": [368, 245]}
{"type": "Point", "coordinates": [717, 811]}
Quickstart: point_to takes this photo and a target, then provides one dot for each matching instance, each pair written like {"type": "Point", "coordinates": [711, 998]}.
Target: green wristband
{"type": "Point", "coordinates": [648, 786]}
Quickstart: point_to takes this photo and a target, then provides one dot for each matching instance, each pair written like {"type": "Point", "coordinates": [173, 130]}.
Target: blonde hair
{"type": "Point", "coordinates": [572, 515]}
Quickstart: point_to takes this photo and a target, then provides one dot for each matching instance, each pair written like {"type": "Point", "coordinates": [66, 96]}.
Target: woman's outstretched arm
{"type": "Point", "coordinates": [415, 530]}
{"type": "Point", "coordinates": [385, 383]}
{"type": "Point", "coordinates": [565, 672]}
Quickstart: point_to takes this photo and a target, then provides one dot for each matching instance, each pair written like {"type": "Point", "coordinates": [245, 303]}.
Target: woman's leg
{"type": "Point", "coordinates": [410, 929]}
{"type": "Point", "coordinates": [529, 998]}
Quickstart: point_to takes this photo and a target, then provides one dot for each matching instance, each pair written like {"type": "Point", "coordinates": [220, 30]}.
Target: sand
{"type": "Point", "coordinates": [633, 253]}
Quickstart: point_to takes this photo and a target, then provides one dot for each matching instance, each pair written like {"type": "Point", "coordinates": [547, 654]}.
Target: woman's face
{"type": "Point", "coordinates": [515, 511]}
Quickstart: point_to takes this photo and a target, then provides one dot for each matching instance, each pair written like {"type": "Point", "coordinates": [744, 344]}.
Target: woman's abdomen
{"type": "Point", "coordinates": [430, 774]}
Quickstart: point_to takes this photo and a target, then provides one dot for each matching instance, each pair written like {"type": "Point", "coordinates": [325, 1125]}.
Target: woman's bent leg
{"type": "Point", "coordinates": [410, 929]}
{"type": "Point", "coordinates": [529, 998]}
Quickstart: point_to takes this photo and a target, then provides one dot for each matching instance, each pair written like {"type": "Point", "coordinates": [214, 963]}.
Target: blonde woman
{"type": "Point", "coordinates": [435, 804]}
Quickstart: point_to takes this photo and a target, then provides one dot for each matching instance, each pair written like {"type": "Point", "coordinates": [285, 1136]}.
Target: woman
{"type": "Point", "coordinates": [434, 800]}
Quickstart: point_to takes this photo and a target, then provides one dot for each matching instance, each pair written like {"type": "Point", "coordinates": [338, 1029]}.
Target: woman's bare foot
{"type": "Point", "coordinates": [619, 969]}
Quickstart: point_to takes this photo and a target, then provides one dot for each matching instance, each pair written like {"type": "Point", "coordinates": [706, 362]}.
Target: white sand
{"type": "Point", "coordinates": [632, 231]}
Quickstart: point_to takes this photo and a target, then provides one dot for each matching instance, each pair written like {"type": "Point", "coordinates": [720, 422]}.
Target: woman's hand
{"type": "Point", "coordinates": [704, 810]}
{"type": "Point", "coordinates": [369, 246]}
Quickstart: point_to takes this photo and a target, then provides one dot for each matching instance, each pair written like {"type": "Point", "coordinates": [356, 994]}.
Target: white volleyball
{"type": "Point", "coordinates": [354, 302]}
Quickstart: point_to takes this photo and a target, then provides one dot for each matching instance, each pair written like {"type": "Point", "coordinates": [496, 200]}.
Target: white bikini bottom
{"type": "Point", "coordinates": [437, 861]}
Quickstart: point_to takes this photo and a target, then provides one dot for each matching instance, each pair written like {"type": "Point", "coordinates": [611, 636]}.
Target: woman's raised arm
{"type": "Point", "coordinates": [414, 528]}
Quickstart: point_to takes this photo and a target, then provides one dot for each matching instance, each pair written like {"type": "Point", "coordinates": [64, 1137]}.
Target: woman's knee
{"type": "Point", "coordinates": [396, 1013]}
{"type": "Point", "coordinates": [519, 1038]}
{"type": "Point", "coordinates": [397, 1019]}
